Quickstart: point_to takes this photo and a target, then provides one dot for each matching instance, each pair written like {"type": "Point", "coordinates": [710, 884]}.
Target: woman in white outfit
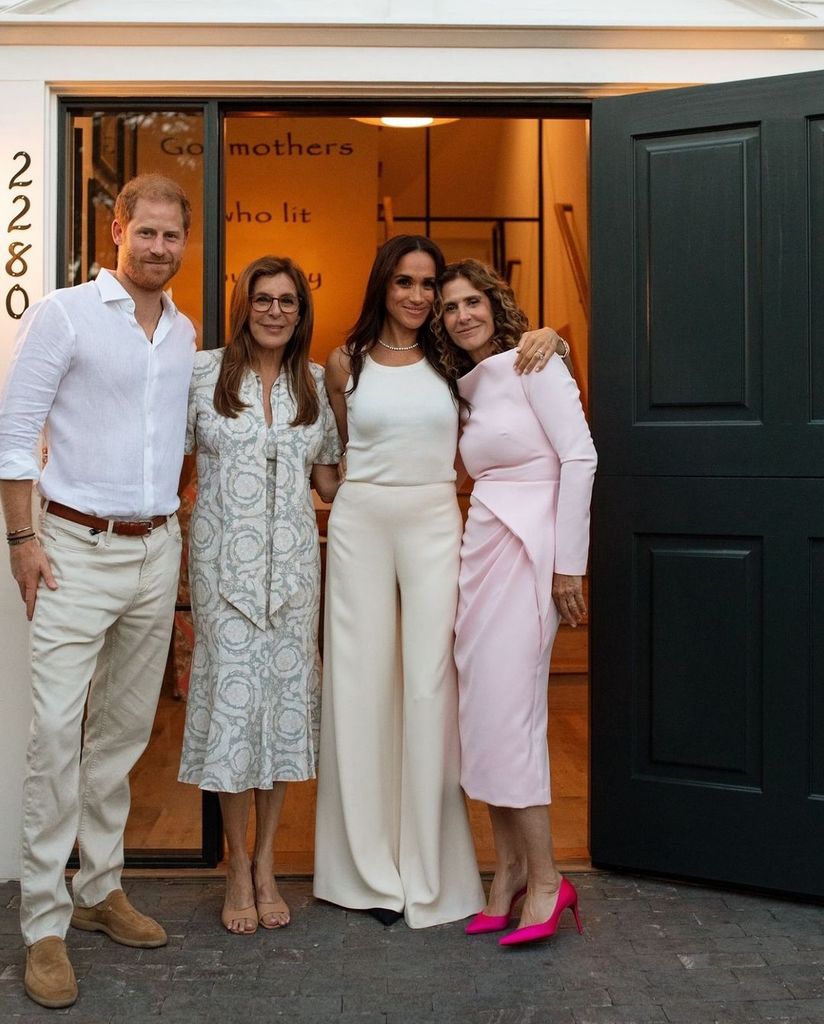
{"type": "Point", "coordinates": [392, 833]}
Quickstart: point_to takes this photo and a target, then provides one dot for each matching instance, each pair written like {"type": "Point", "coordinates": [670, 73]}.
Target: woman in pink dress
{"type": "Point", "coordinates": [526, 444]}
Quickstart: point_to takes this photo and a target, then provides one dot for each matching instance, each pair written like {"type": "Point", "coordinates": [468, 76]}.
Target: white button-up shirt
{"type": "Point", "coordinates": [113, 404]}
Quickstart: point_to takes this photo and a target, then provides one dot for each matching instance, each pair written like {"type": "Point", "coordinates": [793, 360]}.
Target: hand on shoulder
{"type": "Point", "coordinates": [536, 347]}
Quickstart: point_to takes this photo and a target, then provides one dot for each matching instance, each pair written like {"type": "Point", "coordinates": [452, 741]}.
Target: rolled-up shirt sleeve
{"type": "Point", "coordinates": [43, 354]}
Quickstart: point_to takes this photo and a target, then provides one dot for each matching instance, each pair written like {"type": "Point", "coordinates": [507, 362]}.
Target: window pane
{"type": "Point", "coordinates": [509, 246]}
{"type": "Point", "coordinates": [402, 169]}
{"type": "Point", "coordinates": [485, 168]}
{"type": "Point", "coordinates": [108, 148]}
{"type": "Point", "coordinates": [307, 188]}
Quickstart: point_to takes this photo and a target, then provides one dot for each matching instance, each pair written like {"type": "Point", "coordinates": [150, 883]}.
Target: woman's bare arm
{"type": "Point", "coordinates": [326, 481]}
{"type": "Point", "coordinates": [337, 379]}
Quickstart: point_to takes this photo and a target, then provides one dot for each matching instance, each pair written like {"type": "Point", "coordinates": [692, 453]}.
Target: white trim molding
{"type": "Point", "coordinates": [188, 34]}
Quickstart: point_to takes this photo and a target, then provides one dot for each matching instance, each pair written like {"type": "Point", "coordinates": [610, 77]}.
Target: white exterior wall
{"type": "Point", "coordinates": [22, 128]}
{"type": "Point", "coordinates": [32, 76]}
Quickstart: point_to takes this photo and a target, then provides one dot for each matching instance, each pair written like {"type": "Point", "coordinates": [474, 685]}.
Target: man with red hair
{"type": "Point", "coordinates": [103, 368]}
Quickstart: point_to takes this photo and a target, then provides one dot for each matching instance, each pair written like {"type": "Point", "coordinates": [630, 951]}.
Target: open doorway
{"type": "Point", "coordinates": [326, 190]}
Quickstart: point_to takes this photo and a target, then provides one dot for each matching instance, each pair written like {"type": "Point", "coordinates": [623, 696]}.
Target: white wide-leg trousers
{"type": "Point", "coordinates": [109, 622]}
{"type": "Point", "coordinates": [392, 828]}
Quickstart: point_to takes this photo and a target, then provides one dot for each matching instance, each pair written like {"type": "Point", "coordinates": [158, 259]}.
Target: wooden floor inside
{"type": "Point", "coordinates": [166, 814]}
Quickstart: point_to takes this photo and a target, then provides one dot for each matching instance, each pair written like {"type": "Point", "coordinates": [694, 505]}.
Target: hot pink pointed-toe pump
{"type": "Point", "coordinates": [567, 897]}
{"type": "Point", "coordinates": [482, 923]}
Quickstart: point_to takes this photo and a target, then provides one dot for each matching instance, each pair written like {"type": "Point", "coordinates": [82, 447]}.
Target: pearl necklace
{"type": "Point", "coordinates": [398, 348]}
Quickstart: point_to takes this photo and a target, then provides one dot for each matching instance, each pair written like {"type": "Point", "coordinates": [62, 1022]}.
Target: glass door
{"type": "Point", "coordinates": [169, 823]}
{"type": "Point", "coordinates": [325, 188]}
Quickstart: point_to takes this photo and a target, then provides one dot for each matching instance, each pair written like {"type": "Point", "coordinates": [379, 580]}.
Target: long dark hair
{"type": "Point", "coordinates": [240, 354]}
{"type": "Point", "coordinates": [369, 325]}
{"type": "Point", "coordinates": [508, 318]}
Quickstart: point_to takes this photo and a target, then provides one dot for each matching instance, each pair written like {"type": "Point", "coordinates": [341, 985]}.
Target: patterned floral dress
{"type": "Point", "coordinates": [254, 567]}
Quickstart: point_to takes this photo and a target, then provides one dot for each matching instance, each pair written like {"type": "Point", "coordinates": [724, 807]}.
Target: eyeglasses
{"type": "Point", "coordinates": [262, 303]}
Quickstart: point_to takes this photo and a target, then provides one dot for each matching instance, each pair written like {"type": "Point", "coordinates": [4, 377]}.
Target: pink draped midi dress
{"type": "Point", "coordinates": [527, 446]}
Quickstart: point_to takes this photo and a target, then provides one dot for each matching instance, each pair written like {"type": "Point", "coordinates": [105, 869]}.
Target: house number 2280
{"type": "Point", "coordinates": [17, 298]}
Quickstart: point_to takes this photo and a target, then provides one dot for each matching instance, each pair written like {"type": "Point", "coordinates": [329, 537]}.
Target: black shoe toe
{"type": "Point", "coordinates": [386, 917]}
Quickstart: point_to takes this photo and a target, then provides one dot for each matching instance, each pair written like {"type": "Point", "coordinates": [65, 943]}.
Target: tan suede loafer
{"type": "Point", "coordinates": [49, 978]}
{"type": "Point", "coordinates": [120, 921]}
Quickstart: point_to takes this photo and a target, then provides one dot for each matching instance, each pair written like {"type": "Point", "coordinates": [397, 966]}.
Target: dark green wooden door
{"type": "Point", "coordinates": [707, 402]}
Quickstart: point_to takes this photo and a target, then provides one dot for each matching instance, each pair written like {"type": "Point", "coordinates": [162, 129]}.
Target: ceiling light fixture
{"type": "Point", "coordinates": [405, 122]}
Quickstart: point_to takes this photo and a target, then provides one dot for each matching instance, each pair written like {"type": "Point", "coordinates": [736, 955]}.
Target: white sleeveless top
{"type": "Point", "coordinates": [403, 426]}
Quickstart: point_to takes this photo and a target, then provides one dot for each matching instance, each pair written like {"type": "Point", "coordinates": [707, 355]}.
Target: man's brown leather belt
{"type": "Point", "coordinates": [128, 528]}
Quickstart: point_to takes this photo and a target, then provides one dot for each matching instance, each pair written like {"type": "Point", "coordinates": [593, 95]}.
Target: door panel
{"type": "Point", "coordinates": [688, 257]}
{"type": "Point", "coordinates": [707, 395]}
{"type": "Point", "coordinates": [695, 725]}
{"type": "Point", "coordinates": [706, 679]}
{"type": "Point", "coordinates": [815, 689]}
{"type": "Point", "coordinates": [816, 194]}
{"type": "Point", "coordinates": [705, 207]}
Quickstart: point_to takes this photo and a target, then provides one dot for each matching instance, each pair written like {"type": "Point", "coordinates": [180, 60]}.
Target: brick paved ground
{"type": "Point", "coordinates": [652, 952]}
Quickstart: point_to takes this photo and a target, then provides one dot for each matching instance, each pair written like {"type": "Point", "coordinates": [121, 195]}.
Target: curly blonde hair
{"type": "Point", "coordinates": [508, 318]}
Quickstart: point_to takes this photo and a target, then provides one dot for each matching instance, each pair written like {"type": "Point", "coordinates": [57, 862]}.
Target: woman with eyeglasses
{"type": "Point", "coordinates": [264, 433]}
{"type": "Point", "coordinates": [392, 834]}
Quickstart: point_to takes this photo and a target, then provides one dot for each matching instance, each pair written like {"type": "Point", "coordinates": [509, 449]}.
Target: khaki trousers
{"type": "Point", "coordinates": [109, 622]}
